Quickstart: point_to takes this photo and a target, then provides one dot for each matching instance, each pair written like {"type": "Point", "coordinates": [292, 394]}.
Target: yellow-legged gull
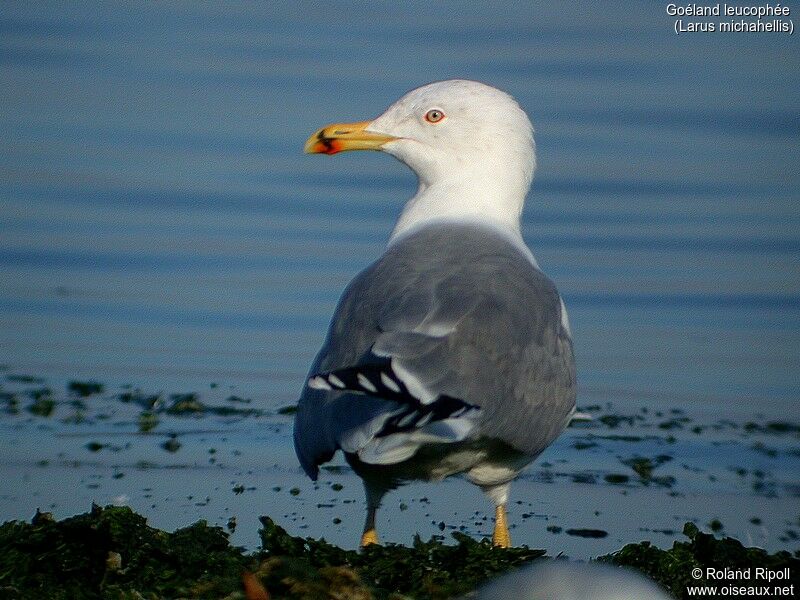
{"type": "Point", "coordinates": [452, 353]}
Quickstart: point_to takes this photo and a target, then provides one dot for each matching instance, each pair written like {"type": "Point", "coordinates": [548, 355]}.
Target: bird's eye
{"type": "Point", "coordinates": [434, 115]}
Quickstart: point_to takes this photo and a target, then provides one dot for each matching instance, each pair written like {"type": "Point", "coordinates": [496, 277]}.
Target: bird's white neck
{"type": "Point", "coordinates": [476, 198]}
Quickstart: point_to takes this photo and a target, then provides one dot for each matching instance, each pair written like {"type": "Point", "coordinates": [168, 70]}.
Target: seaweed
{"type": "Point", "coordinates": [425, 570]}
{"type": "Point", "coordinates": [182, 404]}
{"type": "Point", "coordinates": [774, 427]}
{"type": "Point", "coordinates": [588, 533]}
{"type": "Point", "coordinates": [112, 552]}
{"type": "Point", "coordinates": [190, 404]}
{"type": "Point", "coordinates": [24, 379]}
{"type": "Point", "coordinates": [84, 389]}
{"type": "Point", "coordinates": [171, 444]}
{"type": "Point", "coordinates": [616, 478]}
{"type": "Point", "coordinates": [148, 402]}
{"type": "Point", "coordinates": [673, 568]}
{"type": "Point", "coordinates": [11, 401]}
{"type": "Point", "coordinates": [614, 421]}
{"type": "Point", "coordinates": [147, 421]}
{"type": "Point", "coordinates": [43, 404]}
{"type": "Point", "coordinates": [644, 467]}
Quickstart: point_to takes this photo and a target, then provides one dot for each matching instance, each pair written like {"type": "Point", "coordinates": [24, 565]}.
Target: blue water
{"type": "Point", "coordinates": [159, 224]}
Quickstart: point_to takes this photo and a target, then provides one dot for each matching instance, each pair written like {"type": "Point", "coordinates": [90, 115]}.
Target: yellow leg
{"type": "Point", "coordinates": [370, 535]}
{"type": "Point", "coordinates": [501, 538]}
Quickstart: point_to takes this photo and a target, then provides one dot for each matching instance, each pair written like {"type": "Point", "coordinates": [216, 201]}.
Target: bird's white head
{"type": "Point", "coordinates": [471, 146]}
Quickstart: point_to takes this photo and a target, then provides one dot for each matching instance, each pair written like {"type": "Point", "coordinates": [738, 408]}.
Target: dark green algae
{"type": "Point", "coordinates": [112, 553]}
{"type": "Point", "coordinates": [673, 568]}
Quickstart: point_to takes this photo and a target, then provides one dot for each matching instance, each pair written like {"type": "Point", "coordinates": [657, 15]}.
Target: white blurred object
{"type": "Point", "coordinates": [564, 580]}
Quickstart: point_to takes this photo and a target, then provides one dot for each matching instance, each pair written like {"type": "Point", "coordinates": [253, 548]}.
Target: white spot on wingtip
{"type": "Point", "coordinates": [414, 386]}
{"type": "Point", "coordinates": [335, 381]}
{"type": "Point", "coordinates": [318, 383]}
{"type": "Point", "coordinates": [366, 383]}
{"type": "Point", "coordinates": [390, 383]}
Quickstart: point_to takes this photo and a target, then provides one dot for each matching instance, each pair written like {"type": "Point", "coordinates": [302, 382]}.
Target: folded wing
{"type": "Point", "coordinates": [452, 335]}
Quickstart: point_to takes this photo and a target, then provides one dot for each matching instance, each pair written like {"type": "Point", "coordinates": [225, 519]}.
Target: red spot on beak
{"type": "Point", "coordinates": [327, 146]}
{"type": "Point", "coordinates": [332, 146]}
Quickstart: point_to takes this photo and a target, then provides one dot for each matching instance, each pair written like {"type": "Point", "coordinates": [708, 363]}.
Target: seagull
{"type": "Point", "coordinates": [451, 354]}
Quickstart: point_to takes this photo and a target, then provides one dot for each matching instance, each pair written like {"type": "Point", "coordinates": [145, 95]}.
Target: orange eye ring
{"type": "Point", "coordinates": [434, 115]}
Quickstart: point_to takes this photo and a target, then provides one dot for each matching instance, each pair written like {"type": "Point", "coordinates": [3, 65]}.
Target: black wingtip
{"type": "Point", "coordinates": [378, 379]}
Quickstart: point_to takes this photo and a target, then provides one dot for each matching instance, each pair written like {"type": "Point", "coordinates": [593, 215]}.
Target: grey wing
{"type": "Point", "coordinates": [445, 338]}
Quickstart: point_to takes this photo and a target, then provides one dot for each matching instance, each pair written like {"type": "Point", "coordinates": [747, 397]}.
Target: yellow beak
{"type": "Point", "coordinates": [341, 137]}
